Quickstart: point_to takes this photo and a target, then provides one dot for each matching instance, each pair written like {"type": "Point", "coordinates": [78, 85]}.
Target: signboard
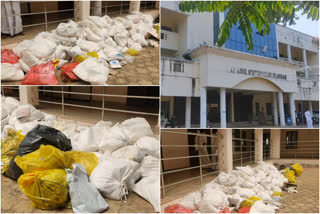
{"type": "Point", "coordinates": [257, 73]}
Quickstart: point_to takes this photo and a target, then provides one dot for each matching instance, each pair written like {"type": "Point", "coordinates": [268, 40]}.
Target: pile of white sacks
{"type": "Point", "coordinates": [229, 190]}
{"type": "Point", "coordinates": [108, 37]}
{"type": "Point", "coordinates": [128, 152]}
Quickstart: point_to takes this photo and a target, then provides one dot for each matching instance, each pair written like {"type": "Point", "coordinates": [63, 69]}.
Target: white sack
{"type": "Point", "coordinates": [11, 72]}
{"type": "Point", "coordinates": [137, 128]}
{"type": "Point", "coordinates": [129, 152]}
{"type": "Point", "coordinates": [110, 176]}
{"type": "Point", "coordinates": [88, 46]}
{"type": "Point", "coordinates": [191, 201]}
{"type": "Point", "coordinates": [149, 146]}
{"type": "Point", "coordinates": [92, 71]}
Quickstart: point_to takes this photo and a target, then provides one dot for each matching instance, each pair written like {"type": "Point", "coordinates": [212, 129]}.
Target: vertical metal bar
{"type": "Point", "coordinates": [162, 181]}
{"type": "Point", "coordinates": [62, 106]}
{"type": "Point", "coordinates": [121, 8]}
{"type": "Point", "coordinates": [45, 15]}
{"type": "Point", "coordinates": [241, 153]}
{"type": "Point", "coordinates": [102, 113]}
{"type": "Point", "coordinates": [200, 162]}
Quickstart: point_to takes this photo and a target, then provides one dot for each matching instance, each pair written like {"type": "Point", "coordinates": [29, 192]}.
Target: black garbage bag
{"type": "Point", "coordinates": [39, 135]}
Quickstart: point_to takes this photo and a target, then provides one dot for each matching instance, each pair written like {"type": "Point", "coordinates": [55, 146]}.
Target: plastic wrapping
{"type": "Point", "coordinates": [53, 191]}
{"type": "Point", "coordinates": [67, 71]}
{"type": "Point", "coordinates": [39, 135]}
{"type": "Point", "coordinates": [87, 159]}
{"type": "Point", "coordinates": [42, 74]}
{"type": "Point", "coordinates": [85, 198]}
{"type": "Point", "coordinates": [7, 56]}
{"type": "Point", "coordinates": [46, 157]}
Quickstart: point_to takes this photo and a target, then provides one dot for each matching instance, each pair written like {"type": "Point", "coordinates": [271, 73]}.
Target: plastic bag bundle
{"type": "Point", "coordinates": [47, 189]}
{"type": "Point", "coordinates": [42, 74]}
{"type": "Point", "coordinates": [9, 148]}
{"type": "Point", "coordinates": [67, 71]}
{"type": "Point", "coordinates": [129, 152]}
{"type": "Point", "coordinates": [191, 200]}
{"type": "Point", "coordinates": [46, 157]}
{"type": "Point", "coordinates": [290, 174]}
{"type": "Point", "coordinates": [137, 127]}
{"type": "Point", "coordinates": [110, 177]}
{"type": "Point", "coordinates": [85, 198]}
{"type": "Point", "coordinates": [297, 168]}
{"type": "Point", "coordinates": [149, 146]}
{"type": "Point", "coordinates": [87, 159]}
{"type": "Point", "coordinates": [39, 135]}
{"type": "Point", "coordinates": [249, 202]}
{"type": "Point", "coordinates": [7, 56]}
{"type": "Point", "coordinates": [176, 208]}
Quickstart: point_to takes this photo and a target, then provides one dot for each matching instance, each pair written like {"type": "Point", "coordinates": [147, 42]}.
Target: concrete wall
{"type": "Point", "coordinates": [296, 39]}
{"type": "Point", "coordinates": [216, 62]}
{"type": "Point", "coordinates": [167, 152]}
{"type": "Point", "coordinates": [304, 149]}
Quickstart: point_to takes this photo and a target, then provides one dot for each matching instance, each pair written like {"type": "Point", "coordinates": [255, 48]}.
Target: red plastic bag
{"type": "Point", "coordinates": [244, 210]}
{"type": "Point", "coordinates": [67, 71]}
{"type": "Point", "coordinates": [225, 210]}
{"type": "Point", "coordinates": [42, 74]}
{"type": "Point", "coordinates": [7, 56]}
{"type": "Point", "coordinates": [176, 208]}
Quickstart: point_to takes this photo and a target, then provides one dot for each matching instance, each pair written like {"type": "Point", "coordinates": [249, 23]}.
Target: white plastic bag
{"type": "Point", "coordinates": [137, 128]}
{"type": "Point", "coordinates": [260, 207]}
{"type": "Point", "coordinates": [110, 176]}
{"type": "Point", "coordinates": [67, 29]}
{"type": "Point", "coordinates": [113, 139]}
{"type": "Point", "coordinates": [149, 146]}
{"type": "Point", "coordinates": [88, 46]}
{"type": "Point", "coordinates": [92, 71]}
{"type": "Point", "coordinates": [11, 72]}
{"type": "Point", "coordinates": [148, 188]}
{"type": "Point", "coordinates": [129, 152]}
{"type": "Point", "coordinates": [10, 104]}
{"type": "Point", "coordinates": [85, 198]}
{"type": "Point", "coordinates": [191, 201]}
{"type": "Point", "coordinates": [88, 140]}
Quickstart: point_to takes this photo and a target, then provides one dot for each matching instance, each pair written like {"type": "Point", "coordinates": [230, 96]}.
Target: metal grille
{"type": "Point", "coordinates": [10, 91]}
{"type": "Point", "coordinates": [110, 8]}
{"type": "Point", "coordinates": [45, 16]}
{"type": "Point", "coordinates": [147, 5]}
{"type": "Point", "coordinates": [63, 96]}
{"type": "Point", "coordinates": [243, 152]}
{"type": "Point", "coordinates": [194, 175]}
{"type": "Point", "coordinates": [266, 150]}
{"type": "Point", "coordinates": [299, 149]}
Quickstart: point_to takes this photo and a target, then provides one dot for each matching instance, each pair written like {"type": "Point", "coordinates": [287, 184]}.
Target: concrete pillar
{"type": "Point", "coordinates": [203, 108]}
{"type": "Point", "coordinates": [157, 4]}
{"type": "Point", "coordinates": [275, 139]}
{"type": "Point", "coordinates": [292, 109]}
{"type": "Point", "coordinates": [310, 107]}
{"type": "Point", "coordinates": [305, 63]}
{"type": "Point", "coordinates": [223, 113]}
{"type": "Point", "coordinates": [97, 10]}
{"type": "Point", "coordinates": [275, 109]}
{"type": "Point", "coordinates": [289, 53]}
{"type": "Point", "coordinates": [29, 95]}
{"type": "Point", "coordinates": [225, 158]}
{"type": "Point", "coordinates": [134, 6]}
{"type": "Point", "coordinates": [81, 10]}
{"type": "Point", "coordinates": [258, 145]}
{"type": "Point", "coordinates": [232, 106]}
{"type": "Point", "coordinates": [171, 106]}
{"type": "Point", "coordinates": [188, 113]}
{"type": "Point", "coordinates": [281, 109]}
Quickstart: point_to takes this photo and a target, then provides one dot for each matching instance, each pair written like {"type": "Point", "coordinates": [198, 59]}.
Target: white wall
{"type": "Point", "coordinates": [296, 39]}
{"type": "Point", "coordinates": [216, 64]}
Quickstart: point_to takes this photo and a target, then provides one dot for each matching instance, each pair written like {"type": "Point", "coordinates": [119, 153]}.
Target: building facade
{"type": "Point", "coordinates": [205, 85]}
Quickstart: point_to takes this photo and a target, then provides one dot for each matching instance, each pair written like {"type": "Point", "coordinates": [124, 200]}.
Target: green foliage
{"type": "Point", "coordinates": [260, 13]}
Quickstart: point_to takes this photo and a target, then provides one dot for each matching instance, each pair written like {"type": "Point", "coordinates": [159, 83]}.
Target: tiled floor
{"type": "Point", "coordinates": [307, 198]}
{"type": "Point", "coordinates": [14, 201]}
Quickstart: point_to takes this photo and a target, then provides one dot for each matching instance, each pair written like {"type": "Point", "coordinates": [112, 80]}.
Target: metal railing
{"type": "Point", "coordinates": [266, 150]}
{"type": "Point", "coordinates": [10, 91]}
{"type": "Point", "coordinates": [299, 149]}
{"type": "Point", "coordinates": [111, 8]}
{"type": "Point", "coordinates": [103, 96]}
{"type": "Point", "coordinates": [196, 171]}
{"type": "Point", "coordinates": [242, 154]}
{"type": "Point", "coordinates": [45, 13]}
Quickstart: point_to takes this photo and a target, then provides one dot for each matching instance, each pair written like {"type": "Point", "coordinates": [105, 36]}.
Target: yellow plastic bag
{"type": "Point", "coordinates": [47, 189]}
{"type": "Point", "coordinates": [249, 202]}
{"type": "Point", "coordinates": [289, 174]}
{"type": "Point", "coordinates": [276, 193]}
{"type": "Point", "coordinates": [46, 157]}
{"type": "Point", "coordinates": [298, 168]}
{"type": "Point", "coordinates": [93, 54]}
{"type": "Point", "coordinates": [133, 52]}
{"type": "Point", "coordinates": [9, 148]}
{"type": "Point", "coordinates": [79, 58]}
{"type": "Point", "coordinates": [157, 27]}
{"type": "Point", "coordinates": [87, 159]}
